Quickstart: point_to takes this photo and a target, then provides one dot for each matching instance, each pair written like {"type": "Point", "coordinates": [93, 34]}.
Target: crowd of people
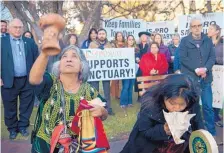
{"type": "Point", "coordinates": [29, 74]}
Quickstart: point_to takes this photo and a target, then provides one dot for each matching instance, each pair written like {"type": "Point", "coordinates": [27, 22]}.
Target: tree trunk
{"type": "Point", "coordinates": [97, 24]}
{"type": "Point", "coordinates": [183, 7]}
{"type": "Point", "coordinates": [15, 13]}
{"type": "Point", "coordinates": [90, 20]}
{"type": "Point", "coordinates": [209, 6]}
{"type": "Point", "coordinates": [192, 7]}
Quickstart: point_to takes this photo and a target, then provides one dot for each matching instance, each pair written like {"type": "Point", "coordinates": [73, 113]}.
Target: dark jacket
{"type": "Point", "coordinates": [192, 57]}
{"type": "Point", "coordinates": [172, 49]}
{"type": "Point", "coordinates": [176, 62]}
{"type": "Point", "coordinates": [142, 50]}
{"type": "Point", "coordinates": [7, 66]}
{"type": "Point", "coordinates": [148, 131]}
{"type": "Point", "coordinates": [219, 53]}
{"type": "Point", "coordinates": [85, 44]}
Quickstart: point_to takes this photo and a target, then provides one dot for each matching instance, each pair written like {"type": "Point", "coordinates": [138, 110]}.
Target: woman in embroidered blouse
{"type": "Point", "coordinates": [72, 72]}
{"type": "Point", "coordinates": [153, 62]}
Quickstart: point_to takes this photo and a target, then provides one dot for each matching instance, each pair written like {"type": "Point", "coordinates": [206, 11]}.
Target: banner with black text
{"type": "Point", "coordinates": [207, 20]}
{"type": "Point", "coordinates": [165, 28]}
{"type": "Point", "coordinates": [126, 26]}
{"type": "Point", "coordinates": [111, 63]}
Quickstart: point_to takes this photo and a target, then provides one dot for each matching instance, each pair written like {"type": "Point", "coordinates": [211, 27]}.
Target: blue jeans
{"type": "Point", "coordinates": [126, 92]}
{"type": "Point", "coordinates": [208, 113]}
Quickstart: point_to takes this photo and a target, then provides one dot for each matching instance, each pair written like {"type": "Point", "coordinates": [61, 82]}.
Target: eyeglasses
{"type": "Point", "coordinates": [17, 27]}
{"type": "Point", "coordinates": [196, 26]}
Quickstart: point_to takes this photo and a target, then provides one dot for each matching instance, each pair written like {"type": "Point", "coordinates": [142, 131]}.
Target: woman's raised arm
{"type": "Point", "coordinates": [38, 69]}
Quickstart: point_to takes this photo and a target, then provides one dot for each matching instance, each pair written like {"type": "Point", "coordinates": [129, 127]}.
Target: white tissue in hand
{"type": "Point", "coordinates": [97, 101]}
{"type": "Point", "coordinates": [178, 123]}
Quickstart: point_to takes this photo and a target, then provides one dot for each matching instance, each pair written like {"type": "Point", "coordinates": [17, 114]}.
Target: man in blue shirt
{"type": "Point", "coordinates": [17, 57]}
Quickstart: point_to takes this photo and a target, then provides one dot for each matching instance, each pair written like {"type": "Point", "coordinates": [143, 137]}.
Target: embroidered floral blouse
{"type": "Point", "coordinates": [50, 111]}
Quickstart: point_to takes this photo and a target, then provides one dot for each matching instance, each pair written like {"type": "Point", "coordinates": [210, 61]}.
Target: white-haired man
{"type": "Point", "coordinates": [17, 57]}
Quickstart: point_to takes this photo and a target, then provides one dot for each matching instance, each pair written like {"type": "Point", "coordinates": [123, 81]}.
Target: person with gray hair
{"type": "Point", "coordinates": [172, 49]}
{"type": "Point", "coordinates": [18, 54]}
{"type": "Point", "coordinates": [197, 57]}
{"type": "Point", "coordinates": [69, 74]}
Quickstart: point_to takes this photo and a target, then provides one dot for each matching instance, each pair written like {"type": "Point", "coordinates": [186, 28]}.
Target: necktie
{"type": "Point", "coordinates": [17, 42]}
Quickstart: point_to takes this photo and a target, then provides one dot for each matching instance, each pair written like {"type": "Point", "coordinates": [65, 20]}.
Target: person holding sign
{"type": "Point", "coordinates": [118, 43]}
{"type": "Point", "coordinates": [127, 84]}
{"type": "Point", "coordinates": [102, 43]}
{"type": "Point", "coordinates": [151, 133]}
{"type": "Point", "coordinates": [172, 49]}
{"type": "Point", "coordinates": [197, 57]}
{"type": "Point", "coordinates": [214, 32]}
{"type": "Point", "coordinates": [91, 37]}
{"type": "Point", "coordinates": [162, 48]}
{"type": "Point", "coordinates": [154, 62]}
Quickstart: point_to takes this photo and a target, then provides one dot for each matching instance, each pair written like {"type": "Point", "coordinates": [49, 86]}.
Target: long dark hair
{"type": "Point", "coordinates": [177, 85]}
{"type": "Point", "coordinates": [123, 38]}
{"type": "Point", "coordinates": [67, 39]}
{"type": "Point", "coordinates": [217, 28]}
{"type": "Point", "coordinates": [90, 31]}
{"type": "Point", "coordinates": [162, 43]}
{"type": "Point", "coordinates": [134, 45]}
{"type": "Point", "coordinates": [29, 33]}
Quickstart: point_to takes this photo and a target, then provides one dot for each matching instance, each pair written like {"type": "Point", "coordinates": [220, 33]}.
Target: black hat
{"type": "Point", "coordinates": [145, 33]}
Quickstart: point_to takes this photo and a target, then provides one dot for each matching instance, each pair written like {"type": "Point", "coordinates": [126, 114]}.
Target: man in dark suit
{"type": "Point", "coordinates": [4, 28]}
{"type": "Point", "coordinates": [17, 57]}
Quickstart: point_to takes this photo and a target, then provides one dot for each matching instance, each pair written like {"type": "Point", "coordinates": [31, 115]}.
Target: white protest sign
{"type": "Point", "coordinates": [126, 26]}
{"type": "Point", "coordinates": [217, 86]}
{"type": "Point", "coordinates": [165, 28]}
{"type": "Point", "coordinates": [207, 19]}
{"type": "Point", "coordinates": [111, 63]}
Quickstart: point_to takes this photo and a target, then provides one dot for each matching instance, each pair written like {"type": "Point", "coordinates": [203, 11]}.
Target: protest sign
{"type": "Point", "coordinates": [218, 86]}
{"type": "Point", "coordinates": [126, 26]}
{"type": "Point", "coordinates": [165, 28]}
{"type": "Point", "coordinates": [207, 19]}
{"type": "Point", "coordinates": [111, 63]}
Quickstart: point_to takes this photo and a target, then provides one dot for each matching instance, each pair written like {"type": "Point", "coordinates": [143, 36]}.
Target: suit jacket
{"type": "Point", "coordinates": [7, 64]}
